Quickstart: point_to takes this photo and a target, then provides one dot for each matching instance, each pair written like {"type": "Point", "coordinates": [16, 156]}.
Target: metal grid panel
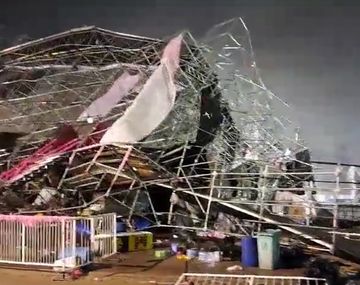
{"type": "Point", "coordinates": [223, 279]}
{"type": "Point", "coordinates": [104, 235]}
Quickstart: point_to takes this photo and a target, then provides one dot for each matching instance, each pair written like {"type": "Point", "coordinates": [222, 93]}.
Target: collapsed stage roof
{"type": "Point", "coordinates": [93, 115]}
{"type": "Point", "coordinates": [179, 131]}
{"type": "Point", "coordinates": [51, 81]}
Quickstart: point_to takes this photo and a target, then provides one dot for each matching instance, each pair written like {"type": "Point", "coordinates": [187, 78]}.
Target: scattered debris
{"type": "Point", "coordinates": [234, 268]}
{"type": "Point", "coordinates": [323, 268]}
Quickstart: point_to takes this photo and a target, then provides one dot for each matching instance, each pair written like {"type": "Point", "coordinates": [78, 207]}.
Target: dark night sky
{"type": "Point", "coordinates": [306, 50]}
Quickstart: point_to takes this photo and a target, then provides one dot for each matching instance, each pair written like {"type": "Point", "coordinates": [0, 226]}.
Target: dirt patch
{"type": "Point", "coordinates": [133, 269]}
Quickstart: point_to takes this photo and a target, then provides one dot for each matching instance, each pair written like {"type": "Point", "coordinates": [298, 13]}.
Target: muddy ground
{"type": "Point", "coordinates": [131, 269]}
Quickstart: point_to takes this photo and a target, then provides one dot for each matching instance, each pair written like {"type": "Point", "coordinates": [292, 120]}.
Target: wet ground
{"type": "Point", "coordinates": [133, 269]}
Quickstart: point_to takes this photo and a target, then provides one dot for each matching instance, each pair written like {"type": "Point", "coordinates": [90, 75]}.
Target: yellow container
{"type": "Point", "coordinates": [161, 254]}
{"type": "Point", "coordinates": [136, 241]}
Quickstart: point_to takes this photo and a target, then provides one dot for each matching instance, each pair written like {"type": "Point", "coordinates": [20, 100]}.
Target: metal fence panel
{"type": "Point", "coordinates": [104, 235]}
{"type": "Point", "coordinates": [60, 242]}
{"type": "Point", "coordinates": [224, 279]}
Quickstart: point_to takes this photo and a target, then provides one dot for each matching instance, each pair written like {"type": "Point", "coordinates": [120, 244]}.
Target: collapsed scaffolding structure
{"type": "Point", "coordinates": [180, 132]}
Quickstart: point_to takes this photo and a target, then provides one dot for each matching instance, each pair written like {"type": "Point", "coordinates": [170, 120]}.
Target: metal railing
{"type": "Point", "coordinates": [56, 241]}
{"type": "Point", "coordinates": [298, 210]}
{"type": "Point", "coordinates": [224, 279]}
{"type": "Point", "coordinates": [104, 235]}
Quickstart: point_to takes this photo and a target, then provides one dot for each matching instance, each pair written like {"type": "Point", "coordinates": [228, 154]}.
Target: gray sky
{"type": "Point", "coordinates": [306, 50]}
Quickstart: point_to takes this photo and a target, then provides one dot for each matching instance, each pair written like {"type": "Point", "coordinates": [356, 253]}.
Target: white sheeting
{"type": "Point", "coordinates": [285, 198]}
{"type": "Point", "coordinates": [153, 103]}
{"type": "Point", "coordinates": [103, 105]}
{"type": "Point", "coordinates": [348, 192]}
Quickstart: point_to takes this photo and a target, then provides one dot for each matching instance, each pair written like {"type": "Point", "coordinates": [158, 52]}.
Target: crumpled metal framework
{"type": "Point", "coordinates": [224, 144]}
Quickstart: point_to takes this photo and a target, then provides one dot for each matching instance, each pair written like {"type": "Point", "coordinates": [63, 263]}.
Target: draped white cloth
{"type": "Point", "coordinates": [152, 104]}
{"type": "Point", "coordinates": [104, 104]}
{"type": "Point", "coordinates": [285, 198]}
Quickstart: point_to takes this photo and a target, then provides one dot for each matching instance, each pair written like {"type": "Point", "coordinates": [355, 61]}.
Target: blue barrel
{"type": "Point", "coordinates": [249, 253]}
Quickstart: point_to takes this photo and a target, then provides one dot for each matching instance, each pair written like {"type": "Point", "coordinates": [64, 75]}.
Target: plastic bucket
{"type": "Point", "coordinates": [249, 252]}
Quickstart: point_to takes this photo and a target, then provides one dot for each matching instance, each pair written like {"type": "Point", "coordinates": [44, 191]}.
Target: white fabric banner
{"type": "Point", "coordinates": [104, 104]}
{"type": "Point", "coordinates": [152, 104]}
